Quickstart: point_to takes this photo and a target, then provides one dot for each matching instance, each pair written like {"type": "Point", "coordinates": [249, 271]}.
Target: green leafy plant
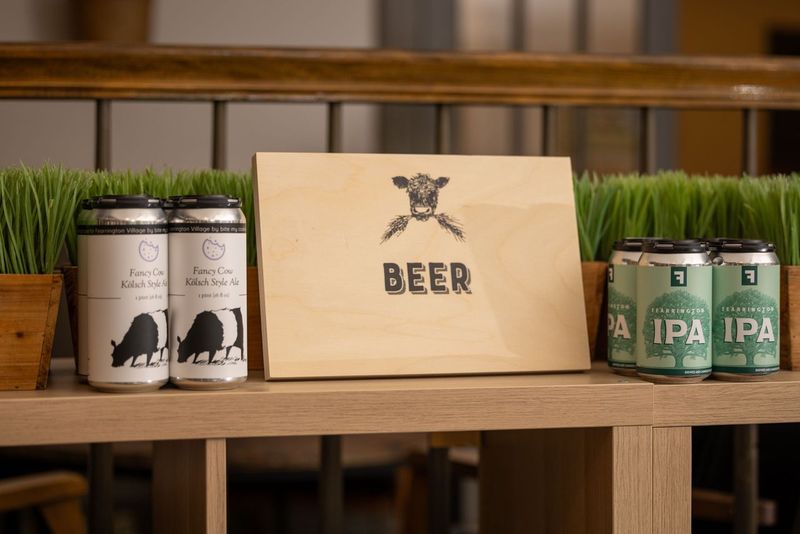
{"type": "Point", "coordinates": [631, 210]}
{"type": "Point", "coordinates": [37, 208]}
{"type": "Point", "coordinates": [591, 207]}
{"type": "Point", "coordinates": [676, 205]}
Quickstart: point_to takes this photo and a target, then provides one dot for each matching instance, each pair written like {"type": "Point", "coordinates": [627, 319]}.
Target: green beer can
{"type": "Point", "coordinates": [622, 305]}
{"type": "Point", "coordinates": [673, 311]}
{"type": "Point", "coordinates": [746, 324]}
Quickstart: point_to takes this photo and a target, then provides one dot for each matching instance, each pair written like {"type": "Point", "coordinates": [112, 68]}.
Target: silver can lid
{"type": "Point", "coordinates": [127, 202]}
{"type": "Point", "coordinates": [631, 244]}
{"type": "Point", "coordinates": [674, 246]}
{"type": "Point", "coordinates": [204, 201]}
{"type": "Point", "coordinates": [746, 245]}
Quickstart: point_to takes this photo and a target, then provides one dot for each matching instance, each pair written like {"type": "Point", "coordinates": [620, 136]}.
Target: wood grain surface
{"type": "Point", "coordinates": [714, 402]}
{"type": "Point", "coordinates": [631, 478]}
{"type": "Point", "coordinates": [328, 311]}
{"type": "Point", "coordinates": [190, 487]}
{"type": "Point", "coordinates": [28, 312]}
{"type": "Point", "coordinates": [594, 288]}
{"type": "Point", "coordinates": [672, 480]}
{"type": "Point", "coordinates": [261, 408]}
{"type": "Point", "coordinates": [82, 70]}
{"type": "Point", "coordinates": [255, 354]}
{"type": "Point", "coordinates": [591, 481]}
{"type": "Point", "coordinates": [790, 317]}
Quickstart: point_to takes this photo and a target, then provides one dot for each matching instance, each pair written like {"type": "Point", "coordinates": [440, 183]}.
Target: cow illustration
{"type": "Point", "coordinates": [423, 198]}
{"type": "Point", "coordinates": [147, 334]}
{"type": "Point", "coordinates": [212, 331]}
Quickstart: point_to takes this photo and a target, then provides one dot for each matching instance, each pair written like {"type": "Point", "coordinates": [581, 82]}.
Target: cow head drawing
{"type": "Point", "coordinates": [423, 198]}
{"type": "Point", "coordinates": [423, 193]}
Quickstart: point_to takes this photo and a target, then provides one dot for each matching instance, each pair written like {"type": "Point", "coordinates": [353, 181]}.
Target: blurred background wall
{"type": "Point", "coordinates": [178, 135]}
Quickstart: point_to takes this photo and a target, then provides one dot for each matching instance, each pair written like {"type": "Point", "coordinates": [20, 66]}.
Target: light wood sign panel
{"type": "Point", "coordinates": [385, 265]}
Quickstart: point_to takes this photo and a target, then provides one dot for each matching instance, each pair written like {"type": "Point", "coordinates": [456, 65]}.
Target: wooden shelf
{"type": "Point", "coordinates": [615, 437]}
{"type": "Point", "coordinates": [69, 412]}
{"type": "Point", "coordinates": [714, 402]}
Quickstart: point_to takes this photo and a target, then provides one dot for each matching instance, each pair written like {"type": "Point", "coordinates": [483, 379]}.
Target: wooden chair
{"type": "Point", "coordinates": [57, 495]}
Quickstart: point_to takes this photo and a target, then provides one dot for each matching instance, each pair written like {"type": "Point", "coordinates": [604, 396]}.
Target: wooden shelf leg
{"type": "Point", "coordinates": [567, 480]}
{"type": "Point", "coordinates": [189, 486]}
{"type": "Point", "coordinates": [672, 480]}
{"type": "Point", "coordinates": [631, 451]}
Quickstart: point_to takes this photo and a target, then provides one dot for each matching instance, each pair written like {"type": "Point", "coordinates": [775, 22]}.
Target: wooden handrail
{"type": "Point", "coordinates": [260, 74]}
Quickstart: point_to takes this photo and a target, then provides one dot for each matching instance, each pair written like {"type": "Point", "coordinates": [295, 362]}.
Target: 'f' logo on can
{"type": "Point", "coordinates": [611, 274]}
{"type": "Point", "coordinates": [749, 275]}
{"type": "Point", "coordinates": [677, 277]}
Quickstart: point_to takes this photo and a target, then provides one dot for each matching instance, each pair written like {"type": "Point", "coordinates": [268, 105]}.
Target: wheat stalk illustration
{"type": "Point", "coordinates": [395, 226]}
{"type": "Point", "coordinates": [453, 226]}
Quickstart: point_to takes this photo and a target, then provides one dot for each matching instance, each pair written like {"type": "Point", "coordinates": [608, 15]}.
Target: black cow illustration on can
{"type": "Point", "coordinates": [125, 259]}
{"type": "Point", "coordinates": [212, 332]}
{"type": "Point", "coordinates": [147, 335]}
{"type": "Point", "coordinates": [208, 292]}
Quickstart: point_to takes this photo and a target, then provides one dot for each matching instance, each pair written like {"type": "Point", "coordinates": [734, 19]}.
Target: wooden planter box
{"type": "Point", "coordinates": [28, 312]}
{"type": "Point", "coordinates": [594, 291]}
{"type": "Point", "coordinates": [790, 317]}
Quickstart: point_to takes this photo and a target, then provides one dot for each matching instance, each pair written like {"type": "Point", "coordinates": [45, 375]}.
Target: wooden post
{"type": "Point", "coordinates": [331, 485]}
{"type": "Point", "coordinates": [101, 488]}
{"type": "Point", "coordinates": [102, 135]}
{"type": "Point", "coordinates": [745, 446]}
{"type": "Point", "coordinates": [101, 455]}
{"type": "Point", "coordinates": [189, 486]}
{"type": "Point", "coordinates": [745, 479]}
{"type": "Point", "coordinates": [672, 480]}
{"type": "Point", "coordinates": [438, 490]}
{"type": "Point", "coordinates": [647, 140]}
{"type": "Point", "coordinates": [331, 477]}
{"type": "Point", "coordinates": [219, 135]}
{"type": "Point", "coordinates": [567, 480]}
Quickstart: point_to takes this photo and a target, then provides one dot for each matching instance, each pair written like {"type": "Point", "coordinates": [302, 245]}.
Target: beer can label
{"type": "Point", "coordinates": [208, 300]}
{"type": "Point", "coordinates": [622, 316]}
{"type": "Point", "coordinates": [127, 303]}
{"type": "Point", "coordinates": [673, 317]}
{"type": "Point", "coordinates": [746, 318]}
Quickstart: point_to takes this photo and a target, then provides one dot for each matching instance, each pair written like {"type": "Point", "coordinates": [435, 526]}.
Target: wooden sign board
{"type": "Point", "coordinates": [388, 265]}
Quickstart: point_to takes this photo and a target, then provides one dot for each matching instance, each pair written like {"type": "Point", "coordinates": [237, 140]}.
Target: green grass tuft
{"type": "Point", "coordinates": [38, 207]}
{"type": "Point", "coordinates": [675, 205]}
